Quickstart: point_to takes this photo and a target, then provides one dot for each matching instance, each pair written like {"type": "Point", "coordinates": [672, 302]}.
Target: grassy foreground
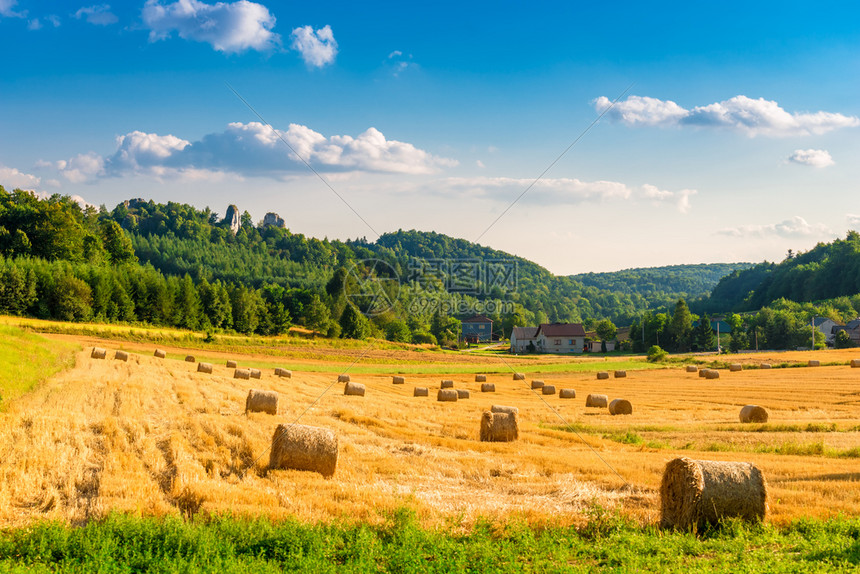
{"type": "Point", "coordinates": [608, 543]}
{"type": "Point", "coordinates": [27, 359]}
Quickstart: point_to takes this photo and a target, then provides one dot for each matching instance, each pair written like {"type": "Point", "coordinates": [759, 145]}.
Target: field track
{"type": "Point", "coordinates": [155, 437]}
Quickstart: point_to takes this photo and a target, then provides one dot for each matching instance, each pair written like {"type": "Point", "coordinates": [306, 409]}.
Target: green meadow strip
{"type": "Point", "coordinates": [27, 359]}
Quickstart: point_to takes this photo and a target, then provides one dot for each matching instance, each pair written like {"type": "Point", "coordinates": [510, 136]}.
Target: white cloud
{"type": "Point", "coordinates": [253, 149]}
{"type": "Point", "coordinates": [317, 48]}
{"type": "Point", "coordinates": [399, 63]}
{"type": "Point", "coordinates": [34, 24]}
{"type": "Point", "coordinates": [853, 221]}
{"type": "Point", "coordinates": [11, 178]}
{"type": "Point", "coordinates": [680, 198]}
{"type": "Point", "coordinates": [227, 26]}
{"type": "Point", "coordinates": [752, 117]}
{"type": "Point", "coordinates": [7, 9]}
{"type": "Point", "coordinates": [812, 157]}
{"type": "Point", "coordinates": [99, 15]}
{"type": "Point", "coordinates": [794, 227]}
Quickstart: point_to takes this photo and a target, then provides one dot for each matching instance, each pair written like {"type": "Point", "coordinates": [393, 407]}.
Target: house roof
{"type": "Point", "coordinates": [524, 332]}
{"type": "Point", "coordinates": [562, 329]}
{"type": "Point", "coordinates": [477, 319]}
{"type": "Point", "coordinates": [819, 321]}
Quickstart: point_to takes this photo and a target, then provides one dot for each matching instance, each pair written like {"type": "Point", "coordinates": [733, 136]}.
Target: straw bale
{"type": "Point", "coordinates": [343, 378]}
{"type": "Point", "coordinates": [302, 447]}
{"type": "Point", "coordinates": [548, 390]}
{"type": "Point", "coordinates": [503, 409]}
{"type": "Point", "coordinates": [537, 384]}
{"type": "Point", "coordinates": [447, 384]}
{"type": "Point", "coordinates": [159, 354]}
{"type": "Point", "coordinates": [620, 407]}
{"type": "Point", "coordinates": [519, 376]}
{"type": "Point", "coordinates": [232, 364]}
{"type": "Point", "coordinates": [480, 378]}
{"type": "Point", "coordinates": [695, 493]}
{"type": "Point", "coordinates": [855, 363]}
{"type": "Point", "coordinates": [712, 374]}
{"type": "Point", "coordinates": [421, 392]}
{"type": "Point", "coordinates": [488, 388]}
{"type": "Point", "coordinates": [353, 389]}
{"type": "Point", "coordinates": [190, 359]}
{"type": "Point", "coordinates": [242, 374]}
{"type": "Point", "coordinates": [262, 402]}
{"type": "Point", "coordinates": [692, 368]}
{"type": "Point", "coordinates": [279, 372]}
{"type": "Point", "coordinates": [121, 356]}
{"type": "Point", "coordinates": [753, 414]}
{"type": "Point", "coordinates": [703, 373]}
{"type": "Point", "coordinates": [601, 375]}
{"type": "Point", "coordinates": [596, 401]}
{"type": "Point", "coordinates": [462, 394]}
{"type": "Point", "coordinates": [814, 363]}
{"type": "Point", "coordinates": [398, 380]}
{"type": "Point", "coordinates": [447, 396]}
{"type": "Point", "coordinates": [620, 374]}
{"type": "Point", "coordinates": [256, 373]}
{"type": "Point", "coordinates": [204, 368]}
{"type": "Point", "coordinates": [499, 427]}
{"type": "Point", "coordinates": [735, 367]}
{"type": "Point", "coordinates": [567, 393]}
{"type": "Point", "coordinates": [765, 366]}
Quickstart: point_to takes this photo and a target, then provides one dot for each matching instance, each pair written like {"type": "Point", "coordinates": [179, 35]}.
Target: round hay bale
{"type": "Point", "coordinates": [261, 402]}
{"type": "Point", "coordinates": [814, 363]}
{"type": "Point", "coordinates": [703, 373]}
{"type": "Point", "coordinates": [242, 374]}
{"type": "Point", "coordinates": [488, 388]}
{"type": "Point", "coordinates": [620, 407]}
{"type": "Point", "coordinates": [190, 359]}
{"type": "Point", "coordinates": [98, 353]}
{"type": "Point", "coordinates": [121, 356]}
{"type": "Point", "coordinates": [596, 401]}
{"type": "Point", "coordinates": [204, 368]}
{"type": "Point", "coordinates": [537, 384]}
{"type": "Point", "coordinates": [398, 380]}
{"type": "Point", "coordinates": [765, 366]}
{"type": "Point", "coordinates": [503, 409]}
{"type": "Point", "coordinates": [343, 378]}
{"type": "Point", "coordinates": [567, 393]}
{"type": "Point", "coordinates": [735, 367]}
{"type": "Point", "coordinates": [256, 373]}
{"type": "Point", "coordinates": [499, 427]}
{"type": "Point", "coordinates": [548, 390]}
{"type": "Point", "coordinates": [620, 374]}
{"type": "Point", "coordinates": [279, 372]}
{"type": "Point", "coordinates": [692, 368]}
{"type": "Point", "coordinates": [353, 389]}
{"type": "Point", "coordinates": [480, 378]}
{"type": "Point", "coordinates": [712, 374]}
{"type": "Point", "coordinates": [447, 396]}
{"type": "Point", "coordinates": [159, 354]}
{"type": "Point", "coordinates": [519, 376]}
{"type": "Point", "coordinates": [302, 447]}
{"type": "Point", "coordinates": [232, 364]}
{"type": "Point", "coordinates": [753, 414]}
{"type": "Point", "coordinates": [462, 394]}
{"type": "Point", "coordinates": [447, 384]}
{"type": "Point", "coordinates": [855, 363]}
{"type": "Point", "coordinates": [695, 493]}
{"type": "Point", "coordinates": [601, 375]}
{"type": "Point", "coordinates": [421, 392]}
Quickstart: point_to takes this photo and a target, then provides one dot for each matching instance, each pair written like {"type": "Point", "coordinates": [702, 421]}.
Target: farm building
{"type": "Point", "coordinates": [522, 337]}
{"type": "Point", "coordinates": [829, 327]}
{"type": "Point", "coordinates": [477, 329]}
{"type": "Point", "coordinates": [597, 346]}
{"type": "Point", "coordinates": [852, 328]}
{"type": "Point", "coordinates": [560, 338]}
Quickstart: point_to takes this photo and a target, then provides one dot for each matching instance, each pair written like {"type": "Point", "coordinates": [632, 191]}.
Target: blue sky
{"type": "Point", "coordinates": [735, 136]}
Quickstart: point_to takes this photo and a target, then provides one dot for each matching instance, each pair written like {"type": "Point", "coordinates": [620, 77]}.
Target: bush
{"type": "Point", "coordinates": [655, 354]}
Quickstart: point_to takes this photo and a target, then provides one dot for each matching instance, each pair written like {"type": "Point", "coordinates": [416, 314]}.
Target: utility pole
{"type": "Point", "coordinates": [718, 337]}
{"type": "Point", "coordinates": [813, 332]}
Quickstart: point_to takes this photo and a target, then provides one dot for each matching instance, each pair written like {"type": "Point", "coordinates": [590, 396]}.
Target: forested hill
{"type": "Point", "coordinates": [827, 271]}
{"type": "Point", "coordinates": [663, 286]}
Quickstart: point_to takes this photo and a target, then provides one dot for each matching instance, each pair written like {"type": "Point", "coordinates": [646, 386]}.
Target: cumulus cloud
{"type": "Point", "coordinates": [853, 221]}
{"type": "Point", "coordinates": [253, 149]}
{"type": "Point", "coordinates": [554, 191]}
{"type": "Point", "coordinates": [11, 178]}
{"type": "Point", "coordinates": [792, 228]}
{"type": "Point", "coordinates": [7, 9]}
{"type": "Point", "coordinates": [317, 48]}
{"type": "Point", "coordinates": [99, 15]}
{"type": "Point", "coordinates": [227, 26]}
{"type": "Point", "coordinates": [752, 117]}
{"type": "Point", "coordinates": [812, 157]}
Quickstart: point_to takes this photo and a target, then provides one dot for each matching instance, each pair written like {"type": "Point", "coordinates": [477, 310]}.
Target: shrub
{"type": "Point", "coordinates": [655, 354]}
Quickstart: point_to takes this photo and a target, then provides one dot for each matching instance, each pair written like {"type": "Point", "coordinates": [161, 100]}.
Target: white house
{"type": "Point", "coordinates": [560, 338]}
{"type": "Point", "coordinates": [521, 337]}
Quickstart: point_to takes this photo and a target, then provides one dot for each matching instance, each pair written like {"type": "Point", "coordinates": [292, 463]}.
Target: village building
{"type": "Point", "coordinates": [523, 340]}
{"type": "Point", "coordinates": [477, 329]}
{"type": "Point", "coordinates": [560, 338]}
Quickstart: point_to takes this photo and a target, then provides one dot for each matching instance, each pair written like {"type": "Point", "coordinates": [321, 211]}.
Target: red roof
{"type": "Point", "coordinates": [561, 330]}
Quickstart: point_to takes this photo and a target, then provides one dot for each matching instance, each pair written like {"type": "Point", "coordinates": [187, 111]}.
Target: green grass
{"type": "Point", "coordinates": [27, 359]}
{"type": "Point", "coordinates": [607, 542]}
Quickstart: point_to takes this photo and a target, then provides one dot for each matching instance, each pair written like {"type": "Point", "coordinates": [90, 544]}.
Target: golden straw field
{"type": "Point", "coordinates": [154, 437]}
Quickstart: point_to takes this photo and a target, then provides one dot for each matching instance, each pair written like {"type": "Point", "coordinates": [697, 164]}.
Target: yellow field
{"type": "Point", "coordinates": [155, 437]}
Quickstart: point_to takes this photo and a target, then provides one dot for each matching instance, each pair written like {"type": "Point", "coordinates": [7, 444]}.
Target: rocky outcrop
{"type": "Point", "coordinates": [273, 219]}
{"type": "Point", "coordinates": [232, 218]}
